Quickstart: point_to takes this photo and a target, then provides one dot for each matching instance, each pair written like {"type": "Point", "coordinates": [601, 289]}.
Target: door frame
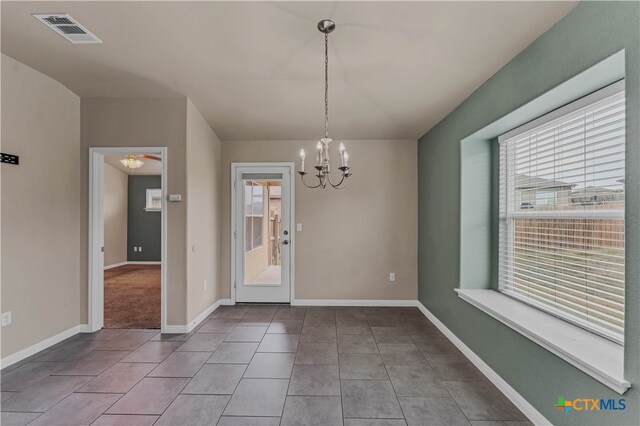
{"type": "Point", "coordinates": [96, 232]}
{"type": "Point", "coordinates": [292, 245]}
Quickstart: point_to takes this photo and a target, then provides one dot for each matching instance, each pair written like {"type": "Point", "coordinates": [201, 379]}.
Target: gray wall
{"type": "Point", "coordinates": [587, 35]}
{"type": "Point", "coordinates": [40, 198]}
{"type": "Point", "coordinates": [143, 228]}
{"type": "Point", "coordinates": [113, 122]}
{"type": "Point", "coordinates": [204, 213]}
{"type": "Point", "coordinates": [370, 222]}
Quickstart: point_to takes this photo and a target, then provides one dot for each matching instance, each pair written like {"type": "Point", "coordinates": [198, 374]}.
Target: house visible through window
{"type": "Point", "coordinates": [562, 205]}
{"type": "Point", "coordinates": [253, 214]}
{"type": "Point", "coordinates": [154, 200]}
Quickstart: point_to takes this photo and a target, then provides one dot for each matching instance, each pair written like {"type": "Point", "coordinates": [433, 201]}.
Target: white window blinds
{"type": "Point", "coordinates": [562, 186]}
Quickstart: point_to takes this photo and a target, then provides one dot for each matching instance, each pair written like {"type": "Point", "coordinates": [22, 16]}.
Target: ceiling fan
{"type": "Point", "coordinates": [132, 161]}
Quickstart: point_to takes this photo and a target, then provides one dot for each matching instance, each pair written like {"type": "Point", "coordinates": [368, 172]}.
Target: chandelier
{"type": "Point", "coordinates": [322, 166]}
{"type": "Point", "coordinates": [132, 162]}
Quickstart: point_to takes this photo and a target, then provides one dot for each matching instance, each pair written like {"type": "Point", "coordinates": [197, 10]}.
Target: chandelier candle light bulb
{"type": "Point", "coordinates": [323, 158]}
{"type": "Point", "coordinates": [342, 150]}
{"type": "Point", "coordinates": [319, 153]}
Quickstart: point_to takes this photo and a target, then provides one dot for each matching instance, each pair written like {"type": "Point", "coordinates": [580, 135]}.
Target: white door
{"type": "Point", "coordinates": [262, 233]}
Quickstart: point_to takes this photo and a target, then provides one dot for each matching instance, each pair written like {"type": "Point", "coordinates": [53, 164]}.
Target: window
{"type": "Point", "coordinates": [253, 214]}
{"type": "Point", "coordinates": [154, 200]}
{"type": "Point", "coordinates": [562, 188]}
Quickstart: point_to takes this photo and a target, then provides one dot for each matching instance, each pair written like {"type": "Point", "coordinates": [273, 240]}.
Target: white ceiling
{"type": "Point", "coordinates": [150, 167]}
{"type": "Point", "coordinates": [255, 69]}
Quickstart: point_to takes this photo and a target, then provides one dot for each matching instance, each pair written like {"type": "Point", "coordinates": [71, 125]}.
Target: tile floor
{"type": "Point", "coordinates": [259, 365]}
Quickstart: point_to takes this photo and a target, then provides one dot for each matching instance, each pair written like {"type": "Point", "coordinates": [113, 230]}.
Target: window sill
{"type": "Point", "coordinates": [596, 356]}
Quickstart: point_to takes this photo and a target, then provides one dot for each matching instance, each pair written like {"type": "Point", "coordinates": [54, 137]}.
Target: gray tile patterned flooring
{"type": "Point", "coordinates": [255, 365]}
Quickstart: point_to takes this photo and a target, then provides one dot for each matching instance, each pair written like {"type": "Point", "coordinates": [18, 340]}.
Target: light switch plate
{"type": "Point", "coordinates": [392, 276]}
{"type": "Point", "coordinates": [299, 227]}
{"type": "Point", "coordinates": [6, 318]}
{"type": "Point", "coordinates": [174, 198]}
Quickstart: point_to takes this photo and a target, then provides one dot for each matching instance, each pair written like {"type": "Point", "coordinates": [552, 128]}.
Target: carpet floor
{"type": "Point", "coordinates": [132, 297]}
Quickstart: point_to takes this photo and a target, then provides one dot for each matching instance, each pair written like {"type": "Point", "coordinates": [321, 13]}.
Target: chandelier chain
{"type": "Point", "coordinates": [322, 166]}
{"type": "Point", "coordinates": [326, 85]}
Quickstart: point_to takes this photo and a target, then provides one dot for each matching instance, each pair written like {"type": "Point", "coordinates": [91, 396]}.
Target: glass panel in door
{"type": "Point", "coordinates": [263, 231]}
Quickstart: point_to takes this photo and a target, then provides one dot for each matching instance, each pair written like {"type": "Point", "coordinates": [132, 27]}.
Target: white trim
{"type": "Point", "coordinates": [567, 214]}
{"type": "Point", "coordinates": [596, 356]}
{"type": "Point", "coordinates": [96, 231]}
{"type": "Point", "coordinates": [95, 285]}
{"type": "Point", "coordinates": [42, 345]}
{"type": "Point", "coordinates": [193, 324]}
{"type": "Point", "coordinates": [352, 302]}
{"type": "Point", "coordinates": [587, 100]}
{"type": "Point", "coordinates": [532, 414]}
{"type": "Point", "coordinates": [292, 224]}
{"type": "Point", "coordinates": [522, 404]}
{"type": "Point", "coordinates": [133, 262]}
{"type": "Point", "coordinates": [115, 265]}
{"type": "Point", "coordinates": [182, 329]}
{"type": "Point", "coordinates": [175, 329]}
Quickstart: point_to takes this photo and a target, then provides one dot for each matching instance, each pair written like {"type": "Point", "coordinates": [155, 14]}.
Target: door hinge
{"type": "Point", "coordinates": [235, 183]}
{"type": "Point", "coordinates": [235, 234]}
{"type": "Point", "coordinates": [234, 284]}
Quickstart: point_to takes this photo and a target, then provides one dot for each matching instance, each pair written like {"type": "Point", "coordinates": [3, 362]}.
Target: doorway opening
{"type": "Point", "coordinates": [262, 212]}
{"type": "Point", "coordinates": [127, 222]}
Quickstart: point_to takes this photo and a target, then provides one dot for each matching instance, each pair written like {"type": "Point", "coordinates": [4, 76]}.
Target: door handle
{"type": "Point", "coordinates": [285, 242]}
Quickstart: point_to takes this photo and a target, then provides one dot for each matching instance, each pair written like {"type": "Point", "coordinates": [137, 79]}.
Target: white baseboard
{"type": "Point", "coordinates": [517, 399]}
{"type": "Point", "coordinates": [193, 324]}
{"type": "Point", "coordinates": [115, 265]}
{"type": "Point", "coordinates": [353, 302]}
{"type": "Point", "coordinates": [40, 346]}
{"type": "Point", "coordinates": [181, 329]}
{"type": "Point", "coordinates": [523, 405]}
{"type": "Point", "coordinates": [175, 329]}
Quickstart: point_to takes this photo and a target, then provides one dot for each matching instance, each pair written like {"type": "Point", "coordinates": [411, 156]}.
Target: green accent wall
{"type": "Point", "coordinates": [590, 33]}
{"type": "Point", "coordinates": [144, 229]}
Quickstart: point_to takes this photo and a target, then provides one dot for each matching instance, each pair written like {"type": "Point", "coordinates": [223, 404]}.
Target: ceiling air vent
{"type": "Point", "coordinates": [67, 27]}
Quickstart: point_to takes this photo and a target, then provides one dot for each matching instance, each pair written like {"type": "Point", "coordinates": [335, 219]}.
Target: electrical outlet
{"type": "Point", "coordinates": [135, 249]}
{"type": "Point", "coordinates": [6, 318]}
{"type": "Point", "coordinates": [140, 249]}
{"type": "Point", "coordinates": [392, 276]}
{"type": "Point", "coordinates": [204, 285]}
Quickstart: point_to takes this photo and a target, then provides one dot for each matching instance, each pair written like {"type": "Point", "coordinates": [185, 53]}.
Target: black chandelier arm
{"type": "Point", "coordinates": [337, 185]}
{"type": "Point", "coordinates": [305, 184]}
{"type": "Point", "coordinates": [345, 175]}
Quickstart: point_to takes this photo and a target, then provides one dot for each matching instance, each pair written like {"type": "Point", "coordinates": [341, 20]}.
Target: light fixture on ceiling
{"type": "Point", "coordinates": [132, 162]}
{"type": "Point", "coordinates": [322, 147]}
